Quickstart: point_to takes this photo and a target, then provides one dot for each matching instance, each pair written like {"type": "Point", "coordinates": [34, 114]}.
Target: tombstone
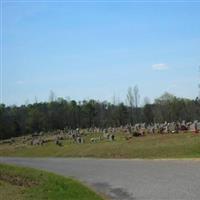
{"type": "Point", "coordinates": [142, 131]}
{"type": "Point", "coordinates": [36, 142]}
{"type": "Point", "coordinates": [161, 130]}
{"type": "Point", "coordinates": [193, 127]}
{"type": "Point", "coordinates": [94, 140]}
{"type": "Point", "coordinates": [79, 140]}
{"type": "Point", "coordinates": [129, 129]}
{"type": "Point", "coordinates": [198, 126]}
{"type": "Point", "coordinates": [60, 137]}
{"type": "Point", "coordinates": [57, 142]}
{"type": "Point", "coordinates": [136, 133]}
{"type": "Point", "coordinates": [41, 133]}
{"type": "Point", "coordinates": [153, 130]}
{"type": "Point", "coordinates": [73, 136]}
{"type": "Point", "coordinates": [183, 126]}
{"type": "Point", "coordinates": [106, 135]}
{"type": "Point", "coordinates": [12, 140]}
{"type": "Point", "coordinates": [172, 127]}
{"type": "Point", "coordinates": [111, 137]}
{"type": "Point", "coordinates": [165, 128]}
{"type": "Point", "coordinates": [105, 131]}
{"type": "Point", "coordinates": [183, 123]}
{"type": "Point", "coordinates": [77, 131]}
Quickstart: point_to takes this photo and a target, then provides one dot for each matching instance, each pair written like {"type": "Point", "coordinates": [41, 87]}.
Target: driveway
{"type": "Point", "coordinates": [126, 179]}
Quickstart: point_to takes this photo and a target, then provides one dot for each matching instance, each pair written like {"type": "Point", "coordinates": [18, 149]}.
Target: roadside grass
{"type": "Point", "coordinates": [182, 145]}
{"type": "Point", "coordinates": [8, 191]}
{"type": "Point", "coordinates": [22, 183]}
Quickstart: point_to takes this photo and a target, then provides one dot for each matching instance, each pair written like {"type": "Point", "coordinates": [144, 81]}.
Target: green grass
{"type": "Point", "coordinates": [29, 184]}
{"type": "Point", "coordinates": [182, 145]}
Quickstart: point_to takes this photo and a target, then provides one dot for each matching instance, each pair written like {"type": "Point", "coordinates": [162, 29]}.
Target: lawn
{"type": "Point", "coordinates": [182, 145]}
{"type": "Point", "coordinates": [22, 183]}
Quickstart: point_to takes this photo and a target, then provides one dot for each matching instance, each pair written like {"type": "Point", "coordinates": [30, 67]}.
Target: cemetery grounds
{"type": "Point", "coordinates": [150, 146]}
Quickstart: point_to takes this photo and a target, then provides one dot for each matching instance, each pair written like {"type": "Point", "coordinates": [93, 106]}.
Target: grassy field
{"type": "Point", "coordinates": [182, 145]}
{"type": "Point", "coordinates": [29, 184]}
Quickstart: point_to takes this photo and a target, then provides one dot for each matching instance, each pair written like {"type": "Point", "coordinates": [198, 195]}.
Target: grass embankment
{"type": "Point", "coordinates": [182, 145]}
{"type": "Point", "coordinates": [21, 183]}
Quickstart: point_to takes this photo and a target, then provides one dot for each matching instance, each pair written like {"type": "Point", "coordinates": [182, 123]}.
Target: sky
{"type": "Point", "coordinates": [96, 50]}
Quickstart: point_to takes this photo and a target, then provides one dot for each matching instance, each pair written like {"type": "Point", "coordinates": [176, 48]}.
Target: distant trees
{"type": "Point", "coordinates": [148, 114]}
{"type": "Point", "coordinates": [59, 113]}
{"type": "Point", "coordinates": [52, 96]}
{"type": "Point", "coordinates": [136, 96]}
{"type": "Point", "coordinates": [130, 102]}
{"type": "Point", "coordinates": [133, 98]}
{"type": "Point", "coordinates": [146, 101]}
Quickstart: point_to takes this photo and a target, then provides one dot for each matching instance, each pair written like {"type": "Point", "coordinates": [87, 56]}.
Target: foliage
{"type": "Point", "coordinates": [61, 113]}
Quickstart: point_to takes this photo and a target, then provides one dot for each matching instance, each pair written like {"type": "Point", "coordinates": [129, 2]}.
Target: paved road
{"type": "Point", "coordinates": [127, 179]}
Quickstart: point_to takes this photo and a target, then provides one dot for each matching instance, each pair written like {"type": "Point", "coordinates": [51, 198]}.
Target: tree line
{"type": "Point", "coordinates": [59, 113]}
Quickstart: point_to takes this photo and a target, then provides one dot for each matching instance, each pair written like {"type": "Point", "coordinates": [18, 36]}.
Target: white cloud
{"type": "Point", "coordinates": [160, 66]}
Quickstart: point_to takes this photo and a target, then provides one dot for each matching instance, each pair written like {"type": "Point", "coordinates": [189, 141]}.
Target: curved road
{"type": "Point", "coordinates": [127, 179]}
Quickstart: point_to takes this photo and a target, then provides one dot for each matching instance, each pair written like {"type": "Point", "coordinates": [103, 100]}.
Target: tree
{"type": "Point", "coordinates": [146, 101]}
{"type": "Point", "coordinates": [52, 96]}
{"type": "Point", "coordinates": [61, 113]}
{"type": "Point", "coordinates": [136, 96]}
{"type": "Point", "coordinates": [130, 97]}
{"type": "Point", "coordinates": [131, 102]}
{"type": "Point", "coordinates": [148, 113]}
{"type": "Point", "coordinates": [165, 98]}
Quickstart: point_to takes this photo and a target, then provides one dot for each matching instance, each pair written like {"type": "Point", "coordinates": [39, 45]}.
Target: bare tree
{"type": "Point", "coordinates": [115, 99]}
{"type": "Point", "coordinates": [130, 102]}
{"type": "Point", "coordinates": [133, 98]}
{"type": "Point", "coordinates": [136, 95]}
{"type": "Point", "coordinates": [130, 97]}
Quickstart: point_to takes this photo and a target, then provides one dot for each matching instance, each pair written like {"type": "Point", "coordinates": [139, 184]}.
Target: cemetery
{"type": "Point", "coordinates": [159, 140]}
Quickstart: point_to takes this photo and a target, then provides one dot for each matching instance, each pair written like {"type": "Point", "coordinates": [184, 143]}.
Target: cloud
{"type": "Point", "coordinates": [160, 66]}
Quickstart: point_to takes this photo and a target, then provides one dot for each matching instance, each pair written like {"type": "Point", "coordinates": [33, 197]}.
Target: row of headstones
{"type": "Point", "coordinates": [151, 128]}
{"type": "Point", "coordinates": [164, 127]}
{"type": "Point", "coordinates": [76, 134]}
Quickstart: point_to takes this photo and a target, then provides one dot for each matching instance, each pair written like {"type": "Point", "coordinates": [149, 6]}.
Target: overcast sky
{"type": "Point", "coordinates": [95, 50]}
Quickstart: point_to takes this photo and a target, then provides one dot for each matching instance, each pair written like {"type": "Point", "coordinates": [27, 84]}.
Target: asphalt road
{"type": "Point", "coordinates": [127, 179]}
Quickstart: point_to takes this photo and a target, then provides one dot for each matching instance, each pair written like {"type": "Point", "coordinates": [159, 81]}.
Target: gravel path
{"type": "Point", "coordinates": [127, 179]}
